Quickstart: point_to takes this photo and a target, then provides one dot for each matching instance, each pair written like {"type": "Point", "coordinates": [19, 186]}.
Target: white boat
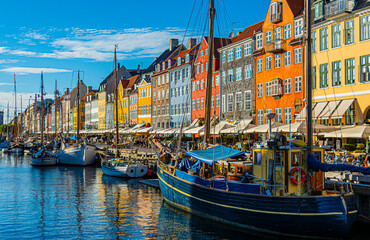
{"type": "Point", "coordinates": [117, 168]}
{"type": "Point", "coordinates": [43, 158]}
{"type": "Point", "coordinates": [81, 155]}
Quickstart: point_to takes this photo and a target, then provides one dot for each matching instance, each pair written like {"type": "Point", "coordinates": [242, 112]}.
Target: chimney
{"type": "Point", "coordinates": [67, 92]}
{"type": "Point", "coordinates": [173, 43]}
{"type": "Point", "coordinates": [138, 68]}
{"type": "Point", "coordinates": [89, 89]}
{"type": "Point", "coordinates": [238, 33]}
{"type": "Point", "coordinates": [192, 42]}
{"type": "Point", "coordinates": [232, 34]}
{"type": "Point", "coordinates": [118, 66]}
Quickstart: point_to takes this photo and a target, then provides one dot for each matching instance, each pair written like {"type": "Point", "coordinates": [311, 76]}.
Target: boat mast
{"type": "Point", "coordinates": [15, 111]}
{"type": "Point", "coordinates": [78, 105]}
{"type": "Point", "coordinates": [7, 121]}
{"type": "Point", "coordinates": [21, 117]}
{"type": "Point", "coordinates": [55, 109]}
{"type": "Point", "coordinates": [309, 78]}
{"type": "Point", "coordinates": [207, 129]}
{"type": "Point", "coordinates": [35, 116]}
{"type": "Point", "coordinates": [42, 109]}
{"type": "Point", "coordinates": [116, 97]}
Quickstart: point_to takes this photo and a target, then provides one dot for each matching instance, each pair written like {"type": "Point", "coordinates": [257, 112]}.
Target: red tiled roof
{"type": "Point", "coordinates": [132, 81]}
{"type": "Point", "coordinates": [247, 33]}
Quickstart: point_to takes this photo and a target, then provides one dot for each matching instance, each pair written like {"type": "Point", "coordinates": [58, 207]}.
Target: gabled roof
{"type": "Point", "coordinates": [247, 33]}
{"type": "Point", "coordinates": [193, 51]}
{"type": "Point", "coordinates": [122, 73]}
{"type": "Point", "coordinates": [132, 81]}
{"type": "Point", "coordinates": [171, 56]}
{"type": "Point", "coordinates": [296, 6]}
{"type": "Point", "coordinates": [163, 57]}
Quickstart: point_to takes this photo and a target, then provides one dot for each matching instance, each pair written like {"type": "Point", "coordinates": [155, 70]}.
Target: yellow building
{"type": "Point", "coordinates": [122, 104]}
{"type": "Point", "coordinates": [341, 64]}
{"type": "Point", "coordinates": [144, 102]}
{"type": "Point", "coordinates": [102, 102]}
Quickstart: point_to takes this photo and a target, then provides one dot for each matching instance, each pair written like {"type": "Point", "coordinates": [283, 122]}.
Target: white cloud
{"type": "Point", "coordinates": [4, 61]}
{"type": "Point", "coordinates": [6, 84]}
{"type": "Point", "coordinates": [36, 35]}
{"type": "Point", "coordinates": [22, 53]}
{"type": "Point", "coordinates": [3, 49]}
{"type": "Point", "coordinates": [29, 70]}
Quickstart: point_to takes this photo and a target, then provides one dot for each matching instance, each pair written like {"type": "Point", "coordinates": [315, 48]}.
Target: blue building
{"type": "Point", "coordinates": [180, 80]}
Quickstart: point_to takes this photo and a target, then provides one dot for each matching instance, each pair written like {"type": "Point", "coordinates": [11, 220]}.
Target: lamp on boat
{"type": "Point", "coordinates": [270, 116]}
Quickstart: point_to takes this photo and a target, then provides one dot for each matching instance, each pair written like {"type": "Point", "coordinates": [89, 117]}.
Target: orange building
{"type": "Point", "coordinates": [198, 83]}
{"type": "Point", "coordinates": [278, 62]}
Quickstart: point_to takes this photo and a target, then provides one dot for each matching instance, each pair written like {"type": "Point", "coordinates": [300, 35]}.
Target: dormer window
{"type": "Point", "coordinates": [319, 9]}
{"type": "Point", "coordinates": [178, 61]}
{"type": "Point", "coordinates": [164, 65]}
{"type": "Point", "coordinates": [187, 58]}
{"type": "Point", "coordinates": [169, 63]}
{"type": "Point", "coordinates": [206, 51]}
{"type": "Point", "coordinates": [275, 12]}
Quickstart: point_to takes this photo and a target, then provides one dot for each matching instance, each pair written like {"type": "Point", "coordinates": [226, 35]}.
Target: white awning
{"type": "Point", "coordinates": [318, 109]}
{"type": "Point", "coordinates": [329, 109]}
{"type": "Point", "coordinates": [144, 130]}
{"type": "Point", "coordinates": [353, 132]}
{"type": "Point", "coordinates": [301, 127]}
{"type": "Point", "coordinates": [302, 115]}
{"type": "Point", "coordinates": [262, 128]}
{"type": "Point", "coordinates": [194, 130]}
{"type": "Point", "coordinates": [238, 128]}
{"type": "Point", "coordinates": [342, 108]}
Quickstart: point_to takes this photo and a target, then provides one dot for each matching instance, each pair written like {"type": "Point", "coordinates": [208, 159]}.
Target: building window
{"type": "Point", "coordinates": [230, 75]}
{"type": "Point", "coordinates": [268, 89]}
{"type": "Point", "coordinates": [298, 28]}
{"type": "Point", "coordinates": [259, 89]}
{"type": "Point", "coordinates": [268, 38]}
{"type": "Point", "coordinates": [230, 55]}
{"type": "Point", "coordinates": [259, 65]}
{"type": "Point", "coordinates": [193, 86]}
{"type": "Point", "coordinates": [268, 63]}
{"type": "Point", "coordinates": [313, 42]}
{"type": "Point", "coordinates": [248, 100]}
{"type": "Point", "coordinates": [159, 111]}
{"type": "Point", "coordinates": [206, 52]}
{"type": "Point", "coordinates": [202, 103]}
{"type": "Point", "coordinates": [319, 10]}
{"type": "Point", "coordinates": [224, 77]}
{"type": "Point", "coordinates": [259, 40]}
{"type": "Point", "coordinates": [198, 103]}
{"type": "Point", "coordinates": [350, 71]}
{"type": "Point", "coordinates": [223, 103]}
{"type": "Point", "coordinates": [201, 53]}
{"type": "Point", "coordinates": [154, 111]}
{"type": "Point", "coordinates": [223, 57]}
{"type": "Point", "coordinates": [217, 80]}
{"type": "Point", "coordinates": [365, 69]}
{"type": "Point", "coordinates": [336, 73]}
{"type": "Point", "coordinates": [324, 75]}
{"type": "Point", "coordinates": [248, 71]}
{"type": "Point", "coordinates": [287, 31]}
{"type": "Point", "coordinates": [217, 100]}
{"type": "Point", "coordinates": [349, 32]}
{"type": "Point", "coordinates": [350, 115]}
{"type": "Point", "coordinates": [323, 39]}
{"type": "Point", "coordinates": [238, 52]}
{"type": "Point", "coordinates": [335, 31]}
{"type": "Point", "coordinates": [212, 102]}
{"type": "Point", "coordinates": [193, 104]}
{"type": "Point", "coordinates": [365, 28]}
{"type": "Point", "coordinates": [287, 58]}
{"type": "Point", "coordinates": [298, 84]}
{"type": "Point", "coordinates": [201, 68]}
{"type": "Point", "coordinates": [197, 69]}
{"type": "Point", "coordinates": [202, 84]}
{"type": "Point", "coordinates": [313, 77]}
{"type": "Point", "coordinates": [247, 49]}
{"type": "Point", "coordinates": [297, 55]}
{"type": "Point", "coordinates": [230, 102]}
{"type": "Point", "coordinates": [288, 115]}
{"type": "Point", "coordinates": [275, 11]}
{"type": "Point", "coordinates": [238, 101]}
{"type": "Point", "coordinates": [278, 115]}
{"type": "Point", "coordinates": [260, 117]}
{"type": "Point", "coordinates": [238, 74]}
{"type": "Point", "coordinates": [197, 85]}
{"type": "Point", "coordinates": [179, 61]}
{"type": "Point", "coordinates": [287, 86]}
{"type": "Point", "coordinates": [277, 61]}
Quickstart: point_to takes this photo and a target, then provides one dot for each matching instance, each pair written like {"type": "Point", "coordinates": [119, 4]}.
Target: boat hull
{"type": "Point", "coordinates": [16, 150]}
{"type": "Point", "coordinates": [43, 162]}
{"type": "Point", "coordinates": [131, 171]}
{"type": "Point", "coordinates": [81, 155]}
{"type": "Point", "coordinates": [324, 216]}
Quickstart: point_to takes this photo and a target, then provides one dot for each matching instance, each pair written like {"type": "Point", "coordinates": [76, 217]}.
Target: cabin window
{"type": "Point", "coordinates": [257, 158]}
{"type": "Point", "coordinates": [232, 169]}
{"type": "Point", "coordinates": [297, 159]}
{"type": "Point", "coordinates": [239, 170]}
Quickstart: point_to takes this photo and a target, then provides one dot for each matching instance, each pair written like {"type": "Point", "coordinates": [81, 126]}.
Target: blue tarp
{"type": "Point", "coordinates": [316, 165]}
{"type": "Point", "coordinates": [74, 138]}
{"type": "Point", "coordinates": [186, 164]}
{"type": "Point", "coordinates": [214, 154]}
{"type": "Point", "coordinates": [231, 186]}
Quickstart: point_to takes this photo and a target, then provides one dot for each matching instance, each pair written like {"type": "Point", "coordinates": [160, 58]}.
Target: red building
{"type": "Point", "coordinates": [199, 82]}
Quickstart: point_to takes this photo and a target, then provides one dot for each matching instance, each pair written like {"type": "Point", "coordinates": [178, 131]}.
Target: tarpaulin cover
{"type": "Point", "coordinates": [74, 138]}
{"type": "Point", "coordinates": [232, 186]}
{"type": "Point", "coordinates": [214, 154]}
{"type": "Point", "coordinates": [186, 164]}
{"type": "Point", "coordinates": [317, 165]}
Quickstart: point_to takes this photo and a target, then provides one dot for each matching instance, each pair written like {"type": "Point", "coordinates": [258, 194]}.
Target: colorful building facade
{"type": "Point", "coordinates": [144, 92]}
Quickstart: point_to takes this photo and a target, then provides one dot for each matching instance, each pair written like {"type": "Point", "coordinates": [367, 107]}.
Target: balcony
{"type": "Point", "coordinates": [276, 46]}
{"type": "Point", "coordinates": [339, 6]}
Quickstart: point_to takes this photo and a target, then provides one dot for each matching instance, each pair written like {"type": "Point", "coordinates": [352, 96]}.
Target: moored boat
{"type": "Point", "coordinates": [43, 158]}
{"type": "Point", "coordinates": [79, 154]}
{"type": "Point", "coordinates": [124, 169]}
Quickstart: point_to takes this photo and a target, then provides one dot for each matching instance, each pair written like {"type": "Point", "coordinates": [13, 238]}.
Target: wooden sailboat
{"type": "Point", "coordinates": [119, 167]}
{"type": "Point", "coordinates": [279, 195]}
{"type": "Point", "coordinates": [80, 154]}
{"type": "Point", "coordinates": [43, 157]}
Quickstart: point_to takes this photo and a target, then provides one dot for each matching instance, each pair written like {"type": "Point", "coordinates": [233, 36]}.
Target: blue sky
{"type": "Point", "coordinates": [61, 36]}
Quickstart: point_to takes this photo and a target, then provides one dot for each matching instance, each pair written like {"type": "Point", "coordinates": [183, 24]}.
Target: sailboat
{"type": "Point", "coordinates": [119, 167]}
{"type": "Point", "coordinates": [43, 157]}
{"type": "Point", "coordinates": [80, 154]}
{"type": "Point", "coordinates": [281, 192]}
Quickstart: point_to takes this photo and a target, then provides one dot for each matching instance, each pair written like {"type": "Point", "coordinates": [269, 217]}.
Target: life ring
{"type": "Point", "coordinates": [294, 180]}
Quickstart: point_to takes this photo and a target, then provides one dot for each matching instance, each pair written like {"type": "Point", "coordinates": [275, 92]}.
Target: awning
{"type": "Point", "coordinates": [318, 109]}
{"type": "Point", "coordinates": [239, 127]}
{"type": "Point", "coordinates": [301, 127]}
{"type": "Point", "coordinates": [329, 109]}
{"type": "Point", "coordinates": [262, 128]}
{"type": "Point", "coordinates": [353, 132]}
{"type": "Point", "coordinates": [144, 130]}
{"type": "Point", "coordinates": [302, 115]}
{"type": "Point", "coordinates": [215, 130]}
{"type": "Point", "coordinates": [161, 130]}
{"type": "Point", "coordinates": [214, 154]}
{"type": "Point", "coordinates": [136, 128]}
{"type": "Point", "coordinates": [342, 108]}
{"type": "Point", "coordinates": [194, 130]}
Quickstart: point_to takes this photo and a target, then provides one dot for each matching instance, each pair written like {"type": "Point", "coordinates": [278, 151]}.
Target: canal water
{"type": "Point", "coordinates": [74, 202]}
